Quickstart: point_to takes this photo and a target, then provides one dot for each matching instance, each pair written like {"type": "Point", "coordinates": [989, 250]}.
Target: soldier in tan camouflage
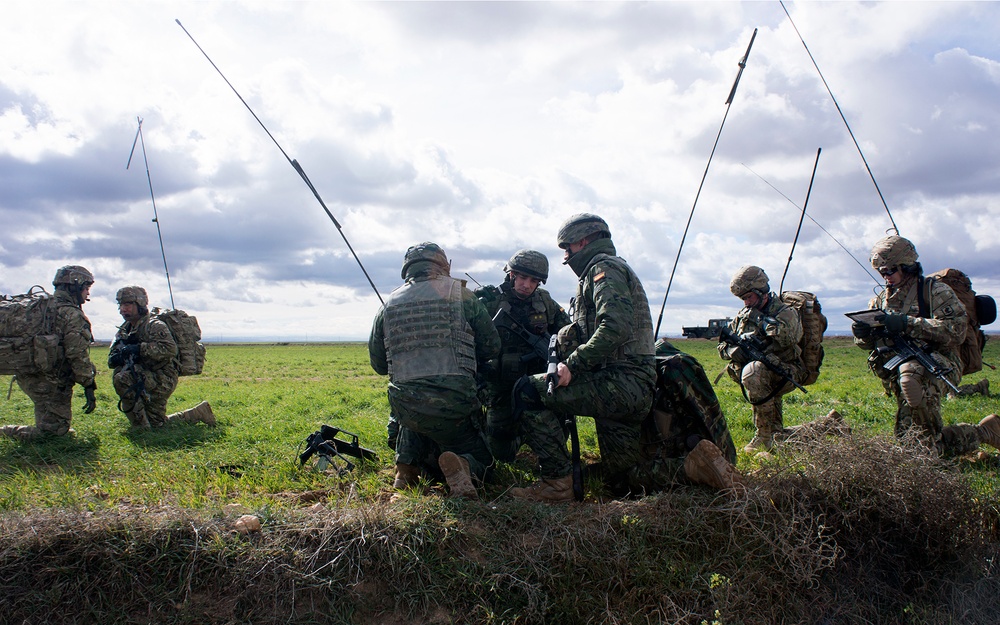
{"type": "Point", "coordinates": [930, 312]}
{"type": "Point", "coordinates": [146, 367]}
{"type": "Point", "coordinates": [52, 392]}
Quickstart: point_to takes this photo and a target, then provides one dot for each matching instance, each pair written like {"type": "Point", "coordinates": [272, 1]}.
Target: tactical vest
{"type": "Point", "coordinates": [426, 333]}
{"type": "Point", "coordinates": [640, 341]}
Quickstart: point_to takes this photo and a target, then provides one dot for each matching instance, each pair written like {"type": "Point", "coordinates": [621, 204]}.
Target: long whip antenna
{"type": "Point", "coordinates": [781, 285]}
{"type": "Point", "coordinates": [729, 103]}
{"type": "Point", "coordinates": [835, 103]}
{"type": "Point", "coordinates": [819, 225]}
{"type": "Point", "coordinates": [156, 218]}
{"type": "Point", "coordinates": [294, 163]}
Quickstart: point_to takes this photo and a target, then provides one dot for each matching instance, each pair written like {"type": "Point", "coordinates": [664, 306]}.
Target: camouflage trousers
{"type": "Point", "coordinates": [918, 408]}
{"type": "Point", "coordinates": [759, 382]}
{"type": "Point", "coordinates": [53, 399]}
{"type": "Point", "coordinates": [503, 432]}
{"type": "Point", "coordinates": [618, 399]}
{"type": "Point", "coordinates": [436, 423]}
{"type": "Point", "coordinates": [151, 408]}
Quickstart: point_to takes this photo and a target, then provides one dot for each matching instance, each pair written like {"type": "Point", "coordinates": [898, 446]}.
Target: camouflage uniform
{"type": "Point", "coordinates": [145, 387]}
{"type": "Point", "coordinates": [52, 392]}
{"type": "Point", "coordinates": [781, 324]}
{"type": "Point", "coordinates": [942, 331]}
{"type": "Point", "coordinates": [613, 369]}
{"type": "Point", "coordinates": [540, 315]}
{"type": "Point", "coordinates": [429, 339]}
{"type": "Point", "coordinates": [685, 411]}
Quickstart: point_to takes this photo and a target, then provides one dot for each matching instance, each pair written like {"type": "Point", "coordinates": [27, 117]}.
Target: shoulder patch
{"type": "Point", "coordinates": [599, 277]}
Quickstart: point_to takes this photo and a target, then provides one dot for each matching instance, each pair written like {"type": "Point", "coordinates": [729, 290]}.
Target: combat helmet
{"type": "Point", "coordinates": [135, 294]}
{"type": "Point", "coordinates": [72, 275]}
{"type": "Point", "coordinates": [425, 251]}
{"type": "Point", "coordinates": [579, 227]}
{"type": "Point", "coordinates": [530, 263]}
{"type": "Point", "coordinates": [893, 251]}
{"type": "Point", "coordinates": [749, 279]}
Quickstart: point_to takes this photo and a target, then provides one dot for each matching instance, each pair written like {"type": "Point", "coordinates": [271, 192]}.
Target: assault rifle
{"type": "Point", "coordinates": [552, 382]}
{"type": "Point", "coordinates": [754, 348]}
{"type": "Point", "coordinates": [332, 450]}
{"type": "Point", "coordinates": [538, 343]}
{"type": "Point", "coordinates": [126, 359]}
{"type": "Point", "coordinates": [907, 349]}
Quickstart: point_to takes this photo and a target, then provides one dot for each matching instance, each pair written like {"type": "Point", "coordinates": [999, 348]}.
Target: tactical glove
{"type": "Point", "coordinates": [895, 323]}
{"type": "Point", "coordinates": [861, 330]}
{"type": "Point", "coordinates": [115, 358]}
{"type": "Point", "coordinates": [130, 351]}
{"type": "Point", "coordinates": [89, 393]}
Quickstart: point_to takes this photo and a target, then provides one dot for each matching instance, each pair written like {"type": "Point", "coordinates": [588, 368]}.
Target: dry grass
{"type": "Point", "coordinates": [845, 531]}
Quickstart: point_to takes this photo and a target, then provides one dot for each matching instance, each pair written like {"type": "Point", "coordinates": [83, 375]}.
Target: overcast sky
{"type": "Point", "coordinates": [483, 126]}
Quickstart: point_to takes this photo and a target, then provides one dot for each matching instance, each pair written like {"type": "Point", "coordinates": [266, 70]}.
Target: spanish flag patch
{"type": "Point", "coordinates": [599, 277]}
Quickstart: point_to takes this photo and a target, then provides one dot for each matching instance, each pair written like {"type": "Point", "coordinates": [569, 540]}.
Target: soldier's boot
{"type": "Point", "coordinates": [458, 475]}
{"type": "Point", "coordinates": [202, 413]}
{"type": "Point", "coordinates": [553, 490]}
{"type": "Point", "coordinates": [767, 420]}
{"type": "Point", "coordinates": [407, 475]}
{"type": "Point", "coordinates": [706, 465]}
{"type": "Point", "coordinates": [21, 432]}
{"type": "Point", "coordinates": [983, 387]}
{"type": "Point", "coordinates": [989, 431]}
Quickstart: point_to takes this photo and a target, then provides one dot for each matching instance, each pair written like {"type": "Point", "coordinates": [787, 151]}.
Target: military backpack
{"type": "Point", "coordinates": [187, 335]}
{"type": "Point", "coordinates": [28, 343]}
{"type": "Point", "coordinates": [814, 324]}
{"type": "Point", "coordinates": [980, 310]}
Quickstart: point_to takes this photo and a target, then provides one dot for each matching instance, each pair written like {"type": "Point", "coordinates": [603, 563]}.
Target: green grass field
{"type": "Point", "coordinates": [814, 531]}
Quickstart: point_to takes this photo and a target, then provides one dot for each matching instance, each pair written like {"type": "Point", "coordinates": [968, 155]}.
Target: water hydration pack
{"type": "Point", "coordinates": [814, 324]}
{"type": "Point", "coordinates": [27, 341]}
{"type": "Point", "coordinates": [187, 335]}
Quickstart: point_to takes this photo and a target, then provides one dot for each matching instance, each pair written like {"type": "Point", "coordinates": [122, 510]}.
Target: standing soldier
{"type": "Point", "coordinates": [146, 366]}
{"type": "Point", "coordinates": [606, 370]}
{"type": "Point", "coordinates": [928, 312]}
{"type": "Point", "coordinates": [52, 392]}
{"type": "Point", "coordinates": [431, 338]}
{"type": "Point", "coordinates": [764, 318]}
{"type": "Point", "coordinates": [525, 316]}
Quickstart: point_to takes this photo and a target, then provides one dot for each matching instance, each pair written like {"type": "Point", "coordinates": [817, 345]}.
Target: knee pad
{"type": "Point", "coordinates": [911, 384]}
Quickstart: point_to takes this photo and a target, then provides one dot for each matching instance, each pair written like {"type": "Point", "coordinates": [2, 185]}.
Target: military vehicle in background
{"type": "Point", "coordinates": [711, 331]}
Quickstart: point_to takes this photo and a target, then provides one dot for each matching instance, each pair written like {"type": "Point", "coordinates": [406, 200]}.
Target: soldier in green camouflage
{"type": "Point", "coordinates": [930, 312]}
{"type": "Point", "coordinates": [766, 318]}
{"type": "Point", "coordinates": [52, 392]}
{"type": "Point", "coordinates": [146, 366]}
{"type": "Point", "coordinates": [432, 337]}
{"type": "Point", "coordinates": [522, 312]}
{"type": "Point", "coordinates": [609, 374]}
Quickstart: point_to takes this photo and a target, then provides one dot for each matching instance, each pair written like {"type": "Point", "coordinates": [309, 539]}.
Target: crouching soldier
{"type": "Point", "coordinates": [146, 366]}
{"type": "Point", "coordinates": [686, 438]}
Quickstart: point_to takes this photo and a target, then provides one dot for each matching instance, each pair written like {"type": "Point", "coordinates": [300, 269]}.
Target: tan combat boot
{"type": "Point", "coordinates": [706, 465]}
{"type": "Point", "coordinates": [989, 431]}
{"type": "Point", "coordinates": [202, 413]}
{"type": "Point", "coordinates": [553, 490]}
{"type": "Point", "coordinates": [458, 475]}
{"type": "Point", "coordinates": [407, 475]}
{"type": "Point", "coordinates": [21, 432]}
{"type": "Point", "coordinates": [763, 440]}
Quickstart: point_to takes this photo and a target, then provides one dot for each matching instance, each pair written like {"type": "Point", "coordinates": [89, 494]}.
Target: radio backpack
{"type": "Point", "coordinates": [980, 310]}
{"type": "Point", "coordinates": [27, 341]}
{"type": "Point", "coordinates": [187, 335]}
{"type": "Point", "coordinates": [814, 324]}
